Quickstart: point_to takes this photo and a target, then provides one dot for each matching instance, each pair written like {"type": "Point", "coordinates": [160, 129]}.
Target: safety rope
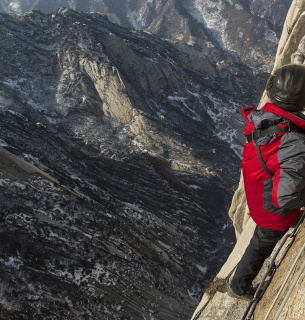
{"type": "Point", "coordinates": [271, 271]}
{"type": "Point", "coordinates": [263, 285]}
{"type": "Point", "coordinates": [290, 290]}
{"type": "Point", "coordinates": [283, 285]}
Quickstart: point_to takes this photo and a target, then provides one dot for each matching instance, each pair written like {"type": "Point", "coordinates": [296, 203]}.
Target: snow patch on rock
{"type": "Point", "coordinates": [15, 7]}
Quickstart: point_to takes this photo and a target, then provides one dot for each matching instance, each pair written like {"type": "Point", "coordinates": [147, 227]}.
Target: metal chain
{"type": "Point", "coordinates": [271, 271]}
{"type": "Point", "coordinates": [263, 285]}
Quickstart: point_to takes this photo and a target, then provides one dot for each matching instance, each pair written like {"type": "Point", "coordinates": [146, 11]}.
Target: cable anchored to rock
{"type": "Point", "coordinates": [263, 285]}
{"type": "Point", "coordinates": [283, 285]}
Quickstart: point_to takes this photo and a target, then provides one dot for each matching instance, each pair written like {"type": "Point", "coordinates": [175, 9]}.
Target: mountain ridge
{"type": "Point", "coordinates": [124, 125]}
{"type": "Point", "coordinates": [210, 26]}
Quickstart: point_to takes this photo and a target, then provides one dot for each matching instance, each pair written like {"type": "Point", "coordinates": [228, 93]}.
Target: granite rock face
{"type": "Point", "coordinates": [238, 30]}
{"type": "Point", "coordinates": [118, 161]}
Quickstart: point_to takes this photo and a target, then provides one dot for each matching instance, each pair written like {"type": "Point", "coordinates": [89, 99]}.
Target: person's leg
{"type": "Point", "coordinates": [260, 248]}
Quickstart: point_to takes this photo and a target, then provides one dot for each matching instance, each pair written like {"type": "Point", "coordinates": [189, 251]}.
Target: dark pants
{"type": "Point", "coordinates": [259, 249]}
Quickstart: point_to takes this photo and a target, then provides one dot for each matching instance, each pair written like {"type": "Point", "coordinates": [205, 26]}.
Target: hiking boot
{"type": "Point", "coordinates": [248, 296]}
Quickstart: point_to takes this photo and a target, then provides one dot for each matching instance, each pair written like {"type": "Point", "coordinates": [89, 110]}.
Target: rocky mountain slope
{"type": "Point", "coordinates": [284, 296]}
{"type": "Point", "coordinates": [118, 161]}
{"type": "Point", "coordinates": [238, 30]}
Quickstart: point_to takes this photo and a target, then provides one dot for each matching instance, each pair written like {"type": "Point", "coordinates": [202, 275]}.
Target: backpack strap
{"type": "Point", "coordinates": [262, 133]}
{"type": "Point", "coordinates": [262, 162]}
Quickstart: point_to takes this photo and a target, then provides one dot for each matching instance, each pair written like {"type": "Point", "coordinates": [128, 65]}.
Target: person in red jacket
{"type": "Point", "coordinates": [273, 168]}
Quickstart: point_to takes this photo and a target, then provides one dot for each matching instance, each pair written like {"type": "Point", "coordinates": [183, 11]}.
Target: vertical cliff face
{"type": "Point", "coordinates": [283, 301]}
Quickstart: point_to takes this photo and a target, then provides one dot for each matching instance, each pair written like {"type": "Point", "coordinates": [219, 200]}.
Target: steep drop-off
{"type": "Point", "coordinates": [118, 161]}
{"type": "Point", "coordinates": [289, 304]}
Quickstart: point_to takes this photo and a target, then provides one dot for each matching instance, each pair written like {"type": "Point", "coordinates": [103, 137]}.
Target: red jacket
{"type": "Point", "coordinates": [274, 201]}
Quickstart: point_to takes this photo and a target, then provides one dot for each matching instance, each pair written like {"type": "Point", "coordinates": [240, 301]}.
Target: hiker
{"type": "Point", "coordinates": [273, 169]}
